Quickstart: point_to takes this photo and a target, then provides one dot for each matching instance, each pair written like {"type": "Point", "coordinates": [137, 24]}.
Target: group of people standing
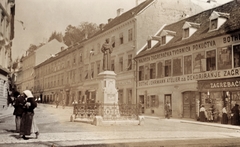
{"type": "Point", "coordinates": [232, 116]}
{"type": "Point", "coordinates": [24, 105]}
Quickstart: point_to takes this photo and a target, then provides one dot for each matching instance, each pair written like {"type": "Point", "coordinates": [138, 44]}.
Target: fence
{"type": "Point", "coordinates": [107, 111]}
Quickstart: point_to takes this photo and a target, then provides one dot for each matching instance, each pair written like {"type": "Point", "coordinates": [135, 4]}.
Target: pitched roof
{"type": "Point", "coordinates": [231, 25]}
{"type": "Point", "coordinates": [125, 16]}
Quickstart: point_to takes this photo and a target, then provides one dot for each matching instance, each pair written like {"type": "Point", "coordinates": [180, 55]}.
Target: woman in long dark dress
{"type": "Point", "coordinates": [202, 114]}
{"type": "Point", "coordinates": [224, 116]}
{"type": "Point", "coordinates": [28, 125]}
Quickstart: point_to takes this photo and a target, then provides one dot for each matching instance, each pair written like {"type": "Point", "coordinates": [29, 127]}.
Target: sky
{"type": "Point", "coordinates": [42, 17]}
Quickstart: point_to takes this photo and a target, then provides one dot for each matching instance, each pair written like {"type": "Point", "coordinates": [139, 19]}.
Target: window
{"type": "Point", "coordinates": [121, 64]}
{"type": "Point", "coordinates": [213, 24]}
{"type": "Point", "coordinates": [129, 96]}
{"type": "Point", "coordinates": [113, 41]}
{"type": "Point", "coordinates": [167, 68]}
{"type": "Point", "coordinates": [160, 70]}
{"type": "Point", "coordinates": [236, 55]}
{"type": "Point", "coordinates": [154, 101]}
{"type": "Point", "coordinates": [92, 71]}
{"type": "Point", "coordinates": [120, 96]}
{"type": "Point", "coordinates": [199, 62]}
{"type": "Point", "coordinates": [186, 33]}
{"type": "Point", "coordinates": [225, 57]}
{"type": "Point", "coordinates": [152, 70]}
{"type": "Point", "coordinates": [130, 34]}
{"type": "Point", "coordinates": [177, 66]}
{"type": "Point", "coordinates": [163, 39]}
{"type": "Point", "coordinates": [211, 60]}
{"type": "Point", "coordinates": [188, 64]}
{"type": "Point", "coordinates": [121, 38]}
{"type": "Point", "coordinates": [80, 74]}
{"type": "Point", "coordinates": [141, 73]}
{"type": "Point", "coordinates": [129, 62]}
{"type": "Point", "coordinates": [98, 68]}
{"type": "Point", "coordinates": [112, 65]}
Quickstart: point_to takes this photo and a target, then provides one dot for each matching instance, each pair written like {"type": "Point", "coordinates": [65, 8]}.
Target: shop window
{"type": "Point", "coordinates": [199, 62]}
{"type": "Point", "coordinates": [160, 70]}
{"type": "Point", "coordinates": [188, 64]}
{"type": "Point", "coordinates": [177, 66]}
{"type": "Point", "coordinates": [152, 70]}
{"type": "Point", "coordinates": [167, 68]}
{"type": "Point", "coordinates": [236, 55]}
{"type": "Point", "coordinates": [154, 101]}
{"type": "Point", "coordinates": [211, 60]}
{"type": "Point", "coordinates": [129, 96]}
{"type": "Point", "coordinates": [225, 58]}
{"type": "Point", "coordinates": [141, 73]}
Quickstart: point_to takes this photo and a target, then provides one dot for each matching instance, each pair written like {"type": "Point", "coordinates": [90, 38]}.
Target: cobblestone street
{"type": "Point", "coordinates": [56, 128]}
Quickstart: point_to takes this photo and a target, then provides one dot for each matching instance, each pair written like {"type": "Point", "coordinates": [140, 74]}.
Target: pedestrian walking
{"type": "Point", "coordinates": [167, 110]}
{"type": "Point", "coordinates": [28, 124]}
{"type": "Point", "coordinates": [224, 116]}
{"type": "Point", "coordinates": [202, 114]}
{"type": "Point", "coordinates": [235, 115]}
{"type": "Point", "coordinates": [18, 103]}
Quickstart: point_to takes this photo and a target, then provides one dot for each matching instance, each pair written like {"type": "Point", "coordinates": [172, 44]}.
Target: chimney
{"type": "Point", "coordinates": [120, 11]}
{"type": "Point", "coordinates": [101, 26]}
{"type": "Point", "coordinates": [109, 20]}
{"type": "Point", "coordinates": [62, 48]}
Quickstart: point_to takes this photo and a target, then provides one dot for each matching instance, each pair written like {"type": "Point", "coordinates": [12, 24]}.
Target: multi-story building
{"type": "Point", "coordinates": [196, 61]}
{"type": "Point", "coordinates": [7, 9]}
{"type": "Point", "coordinates": [127, 32]}
{"type": "Point", "coordinates": [32, 58]}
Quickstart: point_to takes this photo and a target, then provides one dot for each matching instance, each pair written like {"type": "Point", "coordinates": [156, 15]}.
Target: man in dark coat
{"type": "Point", "coordinates": [235, 115]}
{"type": "Point", "coordinates": [18, 109]}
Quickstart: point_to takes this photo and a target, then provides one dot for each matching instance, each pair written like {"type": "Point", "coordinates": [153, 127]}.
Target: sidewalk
{"type": "Point", "coordinates": [6, 112]}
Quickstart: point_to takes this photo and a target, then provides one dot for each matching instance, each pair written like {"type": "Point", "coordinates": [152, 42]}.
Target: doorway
{"type": "Point", "coordinates": [168, 98]}
{"type": "Point", "coordinates": [189, 104]}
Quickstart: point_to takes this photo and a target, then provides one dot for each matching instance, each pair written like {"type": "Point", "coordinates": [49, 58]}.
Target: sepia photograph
{"type": "Point", "coordinates": [119, 73]}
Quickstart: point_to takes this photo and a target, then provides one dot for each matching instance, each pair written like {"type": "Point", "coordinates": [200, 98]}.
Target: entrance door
{"type": "Point", "coordinates": [189, 104]}
{"type": "Point", "coordinates": [168, 98]}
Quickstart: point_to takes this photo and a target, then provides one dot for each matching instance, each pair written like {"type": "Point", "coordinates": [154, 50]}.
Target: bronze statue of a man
{"type": "Point", "coordinates": [106, 50]}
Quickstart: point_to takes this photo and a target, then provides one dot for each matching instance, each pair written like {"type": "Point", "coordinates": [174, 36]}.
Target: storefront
{"type": "Point", "coordinates": [218, 93]}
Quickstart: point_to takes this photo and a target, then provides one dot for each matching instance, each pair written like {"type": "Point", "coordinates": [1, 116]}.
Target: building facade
{"type": "Point", "coordinates": [196, 61]}
{"type": "Point", "coordinates": [7, 9]}
{"type": "Point", "coordinates": [127, 33]}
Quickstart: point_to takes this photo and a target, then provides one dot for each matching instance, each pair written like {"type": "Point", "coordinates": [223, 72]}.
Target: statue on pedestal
{"type": "Point", "coordinates": [106, 50]}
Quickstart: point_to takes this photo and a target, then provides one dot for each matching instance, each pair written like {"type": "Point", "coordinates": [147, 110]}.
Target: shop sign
{"type": "Point", "coordinates": [208, 44]}
{"type": "Point", "coordinates": [219, 84]}
{"type": "Point", "coordinates": [194, 77]}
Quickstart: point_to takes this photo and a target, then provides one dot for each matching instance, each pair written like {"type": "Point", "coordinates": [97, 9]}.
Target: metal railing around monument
{"type": "Point", "coordinates": [107, 111]}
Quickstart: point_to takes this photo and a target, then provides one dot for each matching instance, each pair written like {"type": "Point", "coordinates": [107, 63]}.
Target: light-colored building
{"type": "Point", "coordinates": [128, 33]}
{"type": "Point", "coordinates": [7, 9]}
{"type": "Point", "coordinates": [196, 61]}
{"type": "Point", "coordinates": [26, 75]}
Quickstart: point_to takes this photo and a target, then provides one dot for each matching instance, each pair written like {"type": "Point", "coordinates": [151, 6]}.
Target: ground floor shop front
{"type": "Point", "coordinates": [186, 98]}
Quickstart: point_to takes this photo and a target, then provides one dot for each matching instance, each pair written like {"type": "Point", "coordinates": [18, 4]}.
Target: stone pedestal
{"type": "Point", "coordinates": [108, 94]}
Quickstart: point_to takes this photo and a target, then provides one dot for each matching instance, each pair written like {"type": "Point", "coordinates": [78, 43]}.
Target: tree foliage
{"type": "Point", "coordinates": [75, 34]}
{"type": "Point", "coordinates": [57, 36]}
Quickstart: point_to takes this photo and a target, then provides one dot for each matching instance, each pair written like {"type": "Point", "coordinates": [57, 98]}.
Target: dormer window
{"type": "Point", "coordinates": [166, 36]}
{"type": "Point", "coordinates": [152, 40]}
{"type": "Point", "coordinates": [186, 33]}
{"type": "Point", "coordinates": [189, 28]}
{"type": "Point", "coordinates": [163, 39]}
{"type": "Point", "coordinates": [217, 19]}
